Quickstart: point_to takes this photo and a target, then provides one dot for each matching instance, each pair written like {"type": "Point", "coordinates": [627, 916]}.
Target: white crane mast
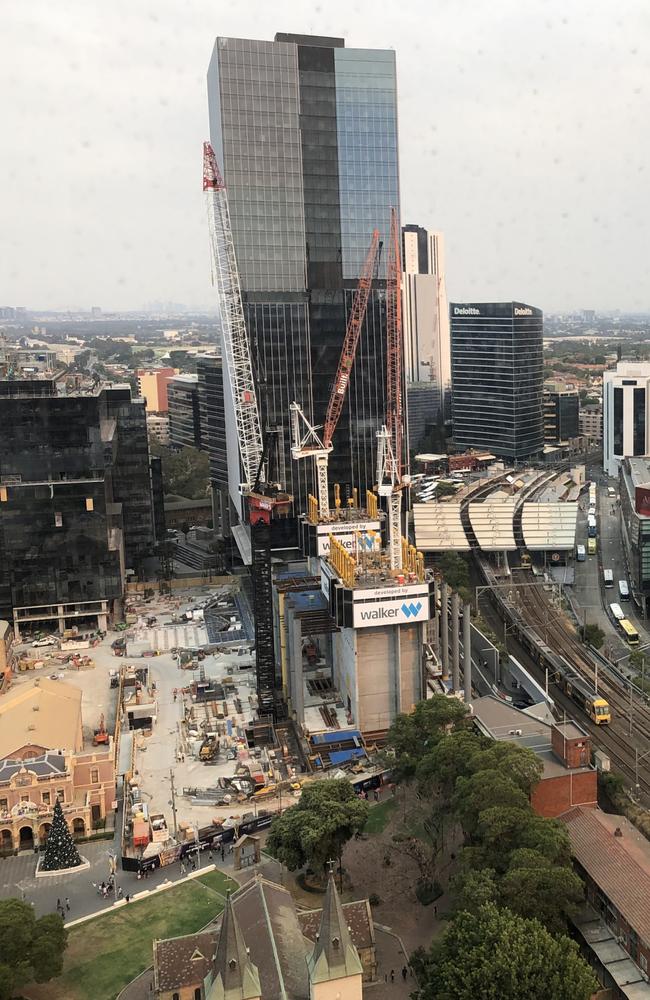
{"type": "Point", "coordinates": [390, 486]}
{"type": "Point", "coordinates": [235, 339]}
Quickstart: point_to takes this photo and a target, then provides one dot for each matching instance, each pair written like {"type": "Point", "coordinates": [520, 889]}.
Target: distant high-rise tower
{"type": "Point", "coordinates": [426, 315]}
{"type": "Point", "coordinates": [305, 132]}
{"type": "Point", "coordinates": [497, 377]}
{"type": "Point", "coordinates": [626, 413]}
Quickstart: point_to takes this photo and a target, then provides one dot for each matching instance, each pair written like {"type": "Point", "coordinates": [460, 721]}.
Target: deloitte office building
{"type": "Point", "coordinates": [497, 377]}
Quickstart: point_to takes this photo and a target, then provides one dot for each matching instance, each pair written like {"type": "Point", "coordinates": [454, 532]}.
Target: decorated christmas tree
{"type": "Point", "coordinates": [60, 852]}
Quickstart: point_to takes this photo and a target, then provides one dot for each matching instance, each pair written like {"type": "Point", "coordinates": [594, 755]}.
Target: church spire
{"type": "Point", "coordinates": [334, 955]}
{"type": "Point", "coordinates": [235, 976]}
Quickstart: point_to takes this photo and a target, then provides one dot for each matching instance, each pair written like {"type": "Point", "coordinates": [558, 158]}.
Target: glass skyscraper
{"type": "Point", "coordinates": [305, 131]}
{"type": "Point", "coordinates": [497, 374]}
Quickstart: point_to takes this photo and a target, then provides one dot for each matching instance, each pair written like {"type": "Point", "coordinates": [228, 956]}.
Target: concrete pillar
{"type": "Point", "coordinates": [61, 618]}
{"type": "Point", "coordinates": [467, 653]}
{"type": "Point", "coordinates": [433, 626]}
{"type": "Point", "coordinates": [455, 644]}
{"type": "Point", "coordinates": [444, 630]}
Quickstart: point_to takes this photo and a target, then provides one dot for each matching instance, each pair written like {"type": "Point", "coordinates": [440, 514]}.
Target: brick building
{"type": "Point", "coordinates": [43, 757]}
{"type": "Point", "coordinates": [568, 778]}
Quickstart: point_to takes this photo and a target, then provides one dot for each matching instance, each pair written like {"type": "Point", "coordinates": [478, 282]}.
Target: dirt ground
{"type": "Point", "coordinates": [399, 909]}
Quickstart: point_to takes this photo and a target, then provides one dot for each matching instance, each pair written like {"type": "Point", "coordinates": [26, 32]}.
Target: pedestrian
{"type": "Point", "coordinates": [127, 897]}
{"type": "Point", "coordinates": [210, 856]}
{"type": "Point", "coordinates": [146, 873]}
{"type": "Point", "coordinates": [182, 868]}
{"type": "Point", "coordinates": [58, 904]}
{"type": "Point", "coordinates": [393, 790]}
{"type": "Point", "coordinates": [67, 904]}
{"type": "Point", "coordinates": [405, 973]}
{"type": "Point", "coordinates": [435, 911]}
{"type": "Point", "coordinates": [119, 892]}
{"type": "Point", "coordinates": [376, 795]}
{"type": "Point", "coordinates": [223, 853]}
{"type": "Point", "coordinates": [392, 975]}
{"type": "Point", "coordinates": [385, 977]}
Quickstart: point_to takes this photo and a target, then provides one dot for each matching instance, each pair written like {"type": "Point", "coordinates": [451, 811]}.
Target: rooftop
{"type": "Point", "coordinates": [501, 721]}
{"type": "Point", "coordinates": [183, 961]}
{"type": "Point", "coordinates": [618, 864]}
{"type": "Point", "coordinates": [41, 713]}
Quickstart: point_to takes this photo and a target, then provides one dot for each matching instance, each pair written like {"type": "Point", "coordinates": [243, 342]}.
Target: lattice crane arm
{"type": "Point", "coordinates": [225, 277]}
{"type": "Point", "coordinates": [351, 340]}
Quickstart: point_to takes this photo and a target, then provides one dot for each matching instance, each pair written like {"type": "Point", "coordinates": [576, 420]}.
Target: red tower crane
{"type": "Point", "coordinates": [306, 441]}
{"type": "Point", "coordinates": [390, 476]}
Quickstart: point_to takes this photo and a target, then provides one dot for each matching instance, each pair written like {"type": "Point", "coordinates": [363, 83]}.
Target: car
{"type": "Point", "coordinates": [47, 640]}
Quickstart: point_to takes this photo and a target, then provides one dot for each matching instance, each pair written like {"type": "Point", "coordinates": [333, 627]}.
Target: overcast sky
{"type": "Point", "coordinates": [524, 136]}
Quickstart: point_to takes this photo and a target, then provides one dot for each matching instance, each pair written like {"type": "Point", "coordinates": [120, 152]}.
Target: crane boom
{"type": "Point", "coordinates": [235, 339]}
{"type": "Point", "coordinates": [352, 333]}
{"type": "Point", "coordinates": [264, 500]}
{"type": "Point", "coordinates": [394, 408]}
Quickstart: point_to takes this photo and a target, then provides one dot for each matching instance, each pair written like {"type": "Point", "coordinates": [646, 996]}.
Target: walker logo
{"type": "Point", "coordinates": [395, 611]}
{"type": "Point", "coordinates": [365, 535]}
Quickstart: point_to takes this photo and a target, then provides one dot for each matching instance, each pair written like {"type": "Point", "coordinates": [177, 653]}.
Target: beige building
{"type": "Point", "coordinates": [265, 950]}
{"type": "Point", "coordinates": [152, 386]}
{"type": "Point", "coordinates": [590, 419]}
{"type": "Point", "coordinates": [158, 428]}
{"type": "Point", "coordinates": [43, 758]}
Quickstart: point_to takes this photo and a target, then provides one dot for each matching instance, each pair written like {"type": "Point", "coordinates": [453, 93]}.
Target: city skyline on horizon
{"type": "Point", "coordinates": [107, 204]}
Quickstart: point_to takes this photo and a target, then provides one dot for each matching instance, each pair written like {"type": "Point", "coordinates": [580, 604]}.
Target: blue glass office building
{"type": "Point", "coordinates": [306, 133]}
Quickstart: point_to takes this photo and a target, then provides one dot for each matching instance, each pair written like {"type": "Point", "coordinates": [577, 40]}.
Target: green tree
{"type": "Point", "coordinates": [535, 887]}
{"type": "Point", "coordinates": [497, 955]}
{"type": "Point", "coordinates": [447, 760]}
{"type": "Point", "coordinates": [29, 948]}
{"type": "Point", "coordinates": [315, 830]}
{"type": "Point", "coordinates": [454, 570]}
{"type": "Point", "coordinates": [185, 473]}
{"type": "Point", "coordinates": [593, 635]}
{"type": "Point", "coordinates": [413, 736]}
{"type": "Point", "coordinates": [470, 890]}
{"type": "Point", "coordinates": [483, 792]}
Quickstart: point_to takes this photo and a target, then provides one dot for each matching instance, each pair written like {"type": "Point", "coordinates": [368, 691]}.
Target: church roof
{"type": "Point", "coordinates": [235, 976]}
{"type": "Point", "coordinates": [334, 955]}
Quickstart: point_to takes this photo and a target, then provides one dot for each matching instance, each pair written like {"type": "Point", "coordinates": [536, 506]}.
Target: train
{"type": "Point", "coordinates": [560, 671]}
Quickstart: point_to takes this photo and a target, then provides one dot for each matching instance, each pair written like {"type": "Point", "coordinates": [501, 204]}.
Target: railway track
{"type": "Point", "coordinates": [557, 632]}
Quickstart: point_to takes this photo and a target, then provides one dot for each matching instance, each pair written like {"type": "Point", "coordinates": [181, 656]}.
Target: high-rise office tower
{"type": "Point", "coordinates": [305, 131]}
{"type": "Point", "coordinates": [427, 355]}
{"type": "Point", "coordinates": [626, 413]}
{"type": "Point", "coordinates": [497, 377]}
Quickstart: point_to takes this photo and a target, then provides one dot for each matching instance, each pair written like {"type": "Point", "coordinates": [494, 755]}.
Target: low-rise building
{"type": "Point", "coordinates": [158, 428]}
{"type": "Point", "coordinates": [564, 748]}
{"type": "Point", "coordinates": [152, 386]}
{"type": "Point", "coordinates": [43, 757]}
{"type": "Point", "coordinates": [590, 420]}
{"type": "Point", "coordinates": [634, 490]}
{"type": "Point", "coordinates": [613, 859]}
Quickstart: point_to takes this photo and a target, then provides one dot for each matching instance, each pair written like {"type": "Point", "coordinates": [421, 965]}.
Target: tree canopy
{"type": "Point", "coordinates": [412, 737]}
{"type": "Point", "coordinates": [496, 955]}
{"type": "Point", "coordinates": [185, 472]}
{"type": "Point", "coordinates": [315, 830]}
{"type": "Point", "coordinates": [29, 948]}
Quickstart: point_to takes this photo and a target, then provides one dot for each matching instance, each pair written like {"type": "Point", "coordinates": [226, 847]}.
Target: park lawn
{"type": "Point", "coordinates": [106, 953]}
{"type": "Point", "coordinates": [218, 881]}
{"type": "Point", "coordinates": [379, 816]}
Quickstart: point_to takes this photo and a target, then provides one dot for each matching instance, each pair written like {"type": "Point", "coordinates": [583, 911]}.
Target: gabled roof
{"type": "Point", "coordinates": [619, 863]}
{"type": "Point", "coordinates": [176, 960]}
{"type": "Point", "coordinates": [358, 918]}
{"type": "Point", "coordinates": [42, 713]}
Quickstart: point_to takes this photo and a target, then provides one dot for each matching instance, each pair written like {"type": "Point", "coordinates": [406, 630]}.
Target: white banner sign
{"type": "Point", "coordinates": [402, 609]}
{"type": "Point", "coordinates": [366, 535]}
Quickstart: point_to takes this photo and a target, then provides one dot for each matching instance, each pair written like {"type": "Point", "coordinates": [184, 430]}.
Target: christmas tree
{"type": "Point", "coordinates": [60, 852]}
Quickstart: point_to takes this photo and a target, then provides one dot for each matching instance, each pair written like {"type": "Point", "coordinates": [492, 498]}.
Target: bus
{"type": "Point", "coordinates": [592, 494]}
{"type": "Point", "coordinates": [623, 590]}
{"type": "Point", "coordinates": [591, 546]}
{"type": "Point", "coordinates": [617, 612]}
{"type": "Point", "coordinates": [581, 553]}
{"type": "Point", "coordinates": [629, 631]}
{"type": "Point", "coordinates": [608, 577]}
{"type": "Point", "coordinates": [591, 526]}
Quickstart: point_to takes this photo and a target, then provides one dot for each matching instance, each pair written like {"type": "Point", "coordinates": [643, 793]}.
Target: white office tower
{"type": "Point", "coordinates": [626, 413]}
{"type": "Point", "coordinates": [427, 356]}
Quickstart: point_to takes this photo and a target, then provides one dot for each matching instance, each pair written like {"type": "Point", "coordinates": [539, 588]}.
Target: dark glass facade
{"type": "Point", "coordinates": [306, 131]}
{"type": "Point", "coordinates": [75, 494]}
{"type": "Point", "coordinates": [184, 411]}
{"type": "Point", "coordinates": [618, 420]}
{"type": "Point", "coordinates": [561, 411]}
{"type": "Point", "coordinates": [497, 377]}
{"type": "Point", "coordinates": [638, 442]}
